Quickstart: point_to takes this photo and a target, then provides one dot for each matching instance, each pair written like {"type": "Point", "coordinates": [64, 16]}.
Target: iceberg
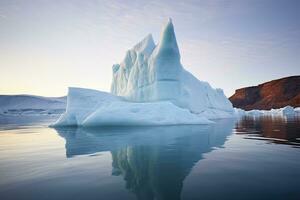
{"type": "Point", "coordinates": [285, 111]}
{"type": "Point", "coordinates": [149, 87]}
{"type": "Point", "coordinates": [239, 112]}
{"type": "Point", "coordinates": [154, 73]}
{"type": "Point", "coordinates": [87, 108]}
{"type": "Point", "coordinates": [288, 110]}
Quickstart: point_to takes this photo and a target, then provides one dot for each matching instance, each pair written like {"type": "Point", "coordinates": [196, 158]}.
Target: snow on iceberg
{"type": "Point", "coordinates": [149, 87]}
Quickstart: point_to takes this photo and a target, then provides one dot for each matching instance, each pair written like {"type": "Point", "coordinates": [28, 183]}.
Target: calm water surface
{"type": "Point", "coordinates": [231, 159]}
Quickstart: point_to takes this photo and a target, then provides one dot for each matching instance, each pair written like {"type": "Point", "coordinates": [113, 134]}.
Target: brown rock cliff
{"type": "Point", "coordinates": [273, 94]}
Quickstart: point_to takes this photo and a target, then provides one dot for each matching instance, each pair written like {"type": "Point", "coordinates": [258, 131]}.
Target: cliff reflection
{"type": "Point", "coordinates": [277, 129]}
{"type": "Point", "coordinates": [153, 161]}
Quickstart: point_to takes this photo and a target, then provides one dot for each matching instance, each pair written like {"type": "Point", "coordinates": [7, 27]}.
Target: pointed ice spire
{"type": "Point", "coordinates": [165, 60]}
{"type": "Point", "coordinates": [168, 40]}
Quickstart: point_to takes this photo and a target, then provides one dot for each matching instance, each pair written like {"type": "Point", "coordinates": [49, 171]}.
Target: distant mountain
{"type": "Point", "coordinates": [273, 94]}
{"type": "Point", "coordinates": [29, 104]}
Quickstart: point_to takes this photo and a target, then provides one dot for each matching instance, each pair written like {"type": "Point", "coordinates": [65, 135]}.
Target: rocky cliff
{"type": "Point", "coordinates": [273, 94]}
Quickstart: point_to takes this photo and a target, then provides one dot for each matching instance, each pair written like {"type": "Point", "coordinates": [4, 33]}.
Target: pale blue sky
{"type": "Point", "coordinates": [48, 45]}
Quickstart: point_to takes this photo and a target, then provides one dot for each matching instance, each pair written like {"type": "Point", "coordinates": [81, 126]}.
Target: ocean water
{"type": "Point", "coordinates": [247, 158]}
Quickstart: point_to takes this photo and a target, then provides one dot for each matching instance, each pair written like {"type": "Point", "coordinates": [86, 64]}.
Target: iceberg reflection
{"type": "Point", "coordinates": [153, 161]}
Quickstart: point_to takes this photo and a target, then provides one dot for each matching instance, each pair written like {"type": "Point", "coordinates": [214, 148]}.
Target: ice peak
{"type": "Point", "coordinates": [145, 46]}
{"type": "Point", "coordinates": [149, 38]}
{"type": "Point", "coordinates": [168, 38]}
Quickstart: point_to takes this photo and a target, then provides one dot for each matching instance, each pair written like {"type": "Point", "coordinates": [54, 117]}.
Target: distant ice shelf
{"type": "Point", "coordinates": [16, 105]}
{"type": "Point", "coordinates": [285, 111]}
{"type": "Point", "coordinates": [149, 87]}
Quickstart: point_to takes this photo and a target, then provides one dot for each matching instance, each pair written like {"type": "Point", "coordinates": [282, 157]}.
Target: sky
{"type": "Point", "coordinates": [48, 45]}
